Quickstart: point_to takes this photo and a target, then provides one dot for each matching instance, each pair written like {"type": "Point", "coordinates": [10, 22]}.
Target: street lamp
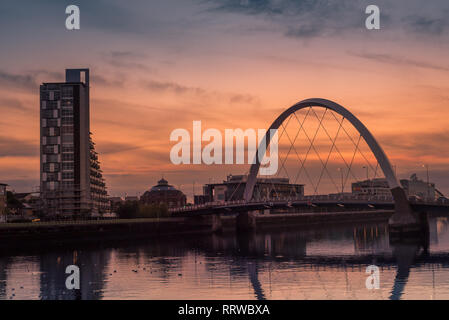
{"type": "Point", "coordinates": [367, 175]}
{"type": "Point", "coordinates": [342, 183]}
{"type": "Point", "coordinates": [428, 182]}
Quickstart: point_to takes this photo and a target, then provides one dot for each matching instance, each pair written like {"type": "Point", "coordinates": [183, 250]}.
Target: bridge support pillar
{"type": "Point", "coordinates": [207, 223]}
{"type": "Point", "coordinates": [245, 221]}
{"type": "Point", "coordinates": [404, 220]}
{"type": "Point", "coordinates": [217, 225]}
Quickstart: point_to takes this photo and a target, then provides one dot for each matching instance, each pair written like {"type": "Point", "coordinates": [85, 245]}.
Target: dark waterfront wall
{"type": "Point", "coordinates": [88, 231]}
{"type": "Point", "coordinates": [24, 234]}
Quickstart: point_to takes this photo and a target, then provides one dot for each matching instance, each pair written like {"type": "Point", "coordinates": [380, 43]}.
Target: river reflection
{"type": "Point", "coordinates": [295, 263]}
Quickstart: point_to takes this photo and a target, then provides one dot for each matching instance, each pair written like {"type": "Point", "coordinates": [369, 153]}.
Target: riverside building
{"type": "Point", "coordinates": [71, 181]}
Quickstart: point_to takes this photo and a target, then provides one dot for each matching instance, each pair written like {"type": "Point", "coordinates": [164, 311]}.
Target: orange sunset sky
{"type": "Point", "coordinates": [159, 65]}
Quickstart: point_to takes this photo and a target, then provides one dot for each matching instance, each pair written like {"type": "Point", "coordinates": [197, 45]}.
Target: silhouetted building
{"type": "Point", "coordinates": [115, 203]}
{"type": "Point", "coordinates": [413, 187]}
{"type": "Point", "coordinates": [201, 198]}
{"type": "Point", "coordinates": [163, 193]}
{"type": "Point", "coordinates": [373, 187]}
{"type": "Point", "coordinates": [30, 202]}
{"type": "Point", "coordinates": [2, 201]}
{"type": "Point", "coordinates": [71, 179]}
{"type": "Point", "coordinates": [265, 189]}
{"type": "Point", "coordinates": [419, 188]}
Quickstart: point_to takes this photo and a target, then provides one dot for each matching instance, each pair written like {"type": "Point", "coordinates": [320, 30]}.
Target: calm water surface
{"type": "Point", "coordinates": [299, 263]}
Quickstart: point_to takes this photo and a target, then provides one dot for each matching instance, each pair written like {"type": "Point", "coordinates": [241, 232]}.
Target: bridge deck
{"type": "Point", "coordinates": [343, 203]}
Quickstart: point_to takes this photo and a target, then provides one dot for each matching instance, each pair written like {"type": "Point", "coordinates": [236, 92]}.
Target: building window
{"type": "Point", "coordinates": [51, 123]}
{"type": "Point", "coordinates": [51, 185]}
{"type": "Point", "coordinates": [52, 176]}
{"type": "Point", "coordinates": [67, 138]}
{"type": "Point", "coordinates": [68, 175]}
{"type": "Point", "coordinates": [54, 95]}
{"type": "Point", "coordinates": [68, 148]}
{"type": "Point", "coordinates": [68, 157]}
{"type": "Point", "coordinates": [52, 140]}
{"type": "Point", "coordinates": [67, 92]}
{"type": "Point", "coordinates": [52, 158]}
{"type": "Point", "coordinates": [67, 112]}
{"type": "Point", "coordinates": [68, 166]}
{"type": "Point", "coordinates": [51, 132]}
{"type": "Point", "coordinates": [67, 129]}
{"type": "Point", "coordinates": [51, 167]}
{"type": "Point", "coordinates": [52, 87]}
{"type": "Point", "coordinates": [51, 105]}
{"type": "Point", "coordinates": [67, 184]}
{"type": "Point", "coordinates": [67, 104]}
{"type": "Point", "coordinates": [51, 149]}
{"type": "Point", "coordinates": [48, 114]}
{"type": "Point", "coordinates": [44, 96]}
{"type": "Point", "coordinates": [67, 120]}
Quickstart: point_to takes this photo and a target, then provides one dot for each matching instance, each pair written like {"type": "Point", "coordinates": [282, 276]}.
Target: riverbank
{"type": "Point", "coordinates": [24, 234]}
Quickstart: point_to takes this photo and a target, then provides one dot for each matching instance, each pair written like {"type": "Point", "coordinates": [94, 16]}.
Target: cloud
{"type": "Point", "coordinates": [426, 25]}
{"type": "Point", "coordinates": [173, 87]}
{"type": "Point", "coordinates": [22, 81]}
{"type": "Point", "coordinates": [12, 147]}
{"type": "Point", "coordinates": [23, 184]}
{"type": "Point", "coordinates": [206, 95]}
{"type": "Point", "coordinates": [126, 55]}
{"type": "Point", "coordinates": [313, 18]}
{"type": "Point", "coordinates": [300, 18]}
{"type": "Point", "coordinates": [109, 148]}
{"type": "Point", "coordinates": [396, 60]}
{"type": "Point", "coordinates": [13, 104]}
{"type": "Point", "coordinates": [419, 144]}
{"type": "Point", "coordinates": [30, 80]}
{"type": "Point", "coordinates": [105, 81]}
{"type": "Point", "coordinates": [48, 75]}
{"type": "Point", "coordinates": [127, 60]}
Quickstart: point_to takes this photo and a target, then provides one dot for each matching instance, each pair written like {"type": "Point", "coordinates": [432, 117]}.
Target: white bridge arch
{"type": "Point", "coordinates": [403, 210]}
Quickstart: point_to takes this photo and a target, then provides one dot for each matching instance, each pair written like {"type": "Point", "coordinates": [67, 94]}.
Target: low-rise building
{"type": "Point", "coordinates": [30, 203]}
{"type": "Point", "coordinates": [233, 188]}
{"type": "Point", "coordinates": [419, 188]}
{"type": "Point", "coordinates": [373, 187]}
{"type": "Point", "coordinates": [413, 187]}
{"type": "Point", "coordinates": [163, 193]}
{"type": "Point", "coordinates": [2, 201]}
{"type": "Point", "coordinates": [115, 203]}
{"type": "Point", "coordinates": [201, 199]}
{"type": "Point", "coordinates": [131, 198]}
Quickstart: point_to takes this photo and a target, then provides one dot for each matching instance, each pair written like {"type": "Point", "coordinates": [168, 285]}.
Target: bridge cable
{"type": "Point", "coordinates": [350, 138]}
{"type": "Point", "coordinates": [330, 152]}
{"type": "Point", "coordinates": [336, 147]}
{"type": "Point", "coordinates": [292, 146]}
{"type": "Point", "coordinates": [317, 153]}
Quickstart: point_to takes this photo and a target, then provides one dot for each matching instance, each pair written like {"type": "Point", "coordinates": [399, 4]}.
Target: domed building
{"type": "Point", "coordinates": [163, 193]}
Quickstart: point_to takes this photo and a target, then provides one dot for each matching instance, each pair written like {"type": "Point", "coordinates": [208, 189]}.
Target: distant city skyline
{"type": "Point", "coordinates": [160, 65]}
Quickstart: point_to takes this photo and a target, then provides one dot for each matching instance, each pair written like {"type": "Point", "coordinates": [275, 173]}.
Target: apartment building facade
{"type": "Point", "coordinates": [71, 181]}
{"type": "Point", "coordinates": [3, 201]}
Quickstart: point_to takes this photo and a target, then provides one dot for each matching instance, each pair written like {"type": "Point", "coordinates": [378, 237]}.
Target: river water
{"type": "Point", "coordinates": [328, 262]}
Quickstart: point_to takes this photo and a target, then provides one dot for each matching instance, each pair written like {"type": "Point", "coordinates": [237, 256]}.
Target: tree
{"type": "Point", "coordinates": [12, 203]}
{"type": "Point", "coordinates": [134, 209]}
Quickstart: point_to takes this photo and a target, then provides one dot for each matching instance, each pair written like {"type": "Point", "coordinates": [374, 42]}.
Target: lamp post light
{"type": "Point", "coordinates": [428, 182]}
{"type": "Point", "coordinates": [367, 172]}
{"type": "Point", "coordinates": [342, 183]}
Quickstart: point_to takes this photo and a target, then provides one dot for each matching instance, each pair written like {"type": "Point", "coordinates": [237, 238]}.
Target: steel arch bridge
{"type": "Point", "coordinates": [404, 218]}
{"type": "Point", "coordinates": [403, 214]}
